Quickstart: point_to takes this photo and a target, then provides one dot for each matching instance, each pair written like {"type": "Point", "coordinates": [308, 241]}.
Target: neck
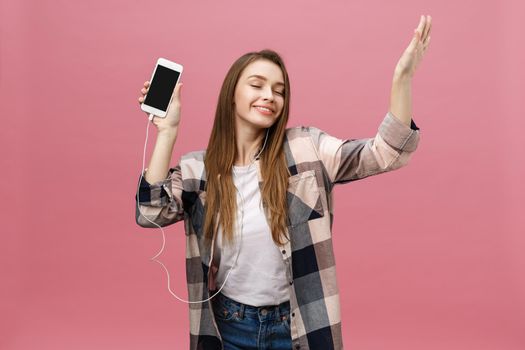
{"type": "Point", "coordinates": [248, 145]}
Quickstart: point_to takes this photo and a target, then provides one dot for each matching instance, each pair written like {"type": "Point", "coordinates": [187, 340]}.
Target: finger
{"type": "Point", "coordinates": [141, 99]}
{"type": "Point", "coordinates": [415, 40]}
{"type": "Point", "coordinates": [146, 83]}
{"type": "Point", "coordinates": [421, 25]}
{"type": "Point", "coordinates": [417, 34]}
{"type": "Point", "coordinates": [427, 42]}
{"type": "Point", "coordinates": [427, 36]}
{"type": "Point", "coordinates": [176, 91]}
{"type": "Point", "coordinates": [427, 27]}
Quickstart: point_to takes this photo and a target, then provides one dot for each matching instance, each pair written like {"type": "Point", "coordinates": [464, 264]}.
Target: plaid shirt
{"type": "Point", "coordinates": [317, 161]}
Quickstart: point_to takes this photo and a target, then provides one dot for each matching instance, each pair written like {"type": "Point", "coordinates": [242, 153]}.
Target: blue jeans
{"type": "Point", "coordinates": [245, 327]}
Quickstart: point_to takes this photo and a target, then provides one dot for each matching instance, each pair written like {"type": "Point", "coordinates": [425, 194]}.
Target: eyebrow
{"type": "Point", "coordinates": [263, 78]}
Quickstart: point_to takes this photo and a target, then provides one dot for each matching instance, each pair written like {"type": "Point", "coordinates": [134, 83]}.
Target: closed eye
{"type": "Point", "coordinates": [258, 87]}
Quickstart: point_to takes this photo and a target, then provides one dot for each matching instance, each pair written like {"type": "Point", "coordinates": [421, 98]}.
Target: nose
{"type": "Point", "coordinates": [268, 94]}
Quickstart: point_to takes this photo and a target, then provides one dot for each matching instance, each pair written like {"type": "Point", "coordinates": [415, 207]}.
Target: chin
{"type": "Point", "coordinates": [265, 124]}
{"type": "Point", "coordinates": [257, 120]}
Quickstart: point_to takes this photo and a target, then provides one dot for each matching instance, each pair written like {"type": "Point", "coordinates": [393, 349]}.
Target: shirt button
{"type": "Point", "coordinates": [291, 282]}
{"type": "Point", "coordinates": [293, 314]}
{"type": "Point", "coordinates": [284, 251]}
{"type": "Point", "coordinates": [298, 346]}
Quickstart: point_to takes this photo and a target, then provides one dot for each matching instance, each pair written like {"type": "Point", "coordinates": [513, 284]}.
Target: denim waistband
{"type": "Point", "coordinates": [266, 311]}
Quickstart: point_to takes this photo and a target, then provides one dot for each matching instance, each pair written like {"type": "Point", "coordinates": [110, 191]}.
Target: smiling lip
{"type": "Point", "coordinates": [263, 111]}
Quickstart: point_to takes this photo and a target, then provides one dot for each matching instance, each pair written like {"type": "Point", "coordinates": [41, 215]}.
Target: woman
{"type": "Point", "coordinates": [257, 205]}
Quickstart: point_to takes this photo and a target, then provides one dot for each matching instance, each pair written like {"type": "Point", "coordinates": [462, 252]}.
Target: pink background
{"type": "Point", "coordinates": [443, 268]}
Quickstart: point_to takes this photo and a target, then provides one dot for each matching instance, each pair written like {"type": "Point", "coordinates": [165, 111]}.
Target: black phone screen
{"type": "Point", "coordinates": [161, 88]}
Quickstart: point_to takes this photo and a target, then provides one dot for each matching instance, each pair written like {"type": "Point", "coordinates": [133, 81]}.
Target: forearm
{"type": "Point", "coordinates": [161, 156]}
{"type": "Point", "coordinates": [401, 98]}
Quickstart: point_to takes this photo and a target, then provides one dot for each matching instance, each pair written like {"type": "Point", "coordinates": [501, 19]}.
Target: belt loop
{"type": "Point", "coordinates": [286, 310]}
{"type": "Point", "coordinates": [241, 311]}
{"type": "Point", "coordinates": [282, 311]}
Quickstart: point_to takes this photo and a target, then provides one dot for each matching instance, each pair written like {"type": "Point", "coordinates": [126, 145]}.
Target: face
{"type": "Point", "coordinates": [259, 95]}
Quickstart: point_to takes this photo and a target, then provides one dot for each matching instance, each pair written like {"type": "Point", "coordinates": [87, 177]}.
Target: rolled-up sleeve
{"type": "Point", "coordinates": [160, 203]}
{"type": "Point", "coordinates": [352, 159]}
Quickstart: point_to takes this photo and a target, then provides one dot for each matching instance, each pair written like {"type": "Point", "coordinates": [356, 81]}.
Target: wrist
{"type": "Point", "coordinates": [168, 132]}
{"type": "Point", "coordinates": [401, 77]}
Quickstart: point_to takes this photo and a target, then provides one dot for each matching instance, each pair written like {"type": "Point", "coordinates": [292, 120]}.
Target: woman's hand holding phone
{"type": "Point", "coordinates": [172, 119]}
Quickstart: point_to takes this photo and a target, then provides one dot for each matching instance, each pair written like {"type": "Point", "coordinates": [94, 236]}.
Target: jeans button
{"type": "Point", "coordinates": [264, 312]}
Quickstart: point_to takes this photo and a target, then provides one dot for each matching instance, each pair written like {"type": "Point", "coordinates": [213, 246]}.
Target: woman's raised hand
{"type": "Point", "coordinates": [172, 118]}
{"type": "Point", "coordinates": [410, 59]}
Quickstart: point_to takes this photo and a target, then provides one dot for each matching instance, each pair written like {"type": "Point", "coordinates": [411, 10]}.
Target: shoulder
{"type": "Point", "coordinates": [303, 131]}
{"type": "Point", "coordinates": [299, 133]}
{"type": "Point", "coordinates": [302, 134]}
{"type": "Point", "coordinates": [192, 164]}
{"type": "Point", "coordinates": [318, 137]}
{"type": "Point", "coordinates": [299, 145]}
{"type": "Point", "coordinates": [194, 156]}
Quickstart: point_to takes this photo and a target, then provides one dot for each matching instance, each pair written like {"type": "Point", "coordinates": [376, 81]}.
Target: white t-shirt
{"type": "Point", "coordinates": [259, 278]}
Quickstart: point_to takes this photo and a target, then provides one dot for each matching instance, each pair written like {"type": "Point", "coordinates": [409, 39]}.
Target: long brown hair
{"type": "Point", "coordinates": [221, 154]}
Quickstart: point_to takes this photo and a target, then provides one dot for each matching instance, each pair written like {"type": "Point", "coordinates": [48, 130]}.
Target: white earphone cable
{"type": "Point", "coordinates": [154, 258]}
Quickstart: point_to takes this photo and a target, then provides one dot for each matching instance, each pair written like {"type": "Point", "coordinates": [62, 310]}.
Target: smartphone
{"type": "Point", "coordinates": [163, 80]}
